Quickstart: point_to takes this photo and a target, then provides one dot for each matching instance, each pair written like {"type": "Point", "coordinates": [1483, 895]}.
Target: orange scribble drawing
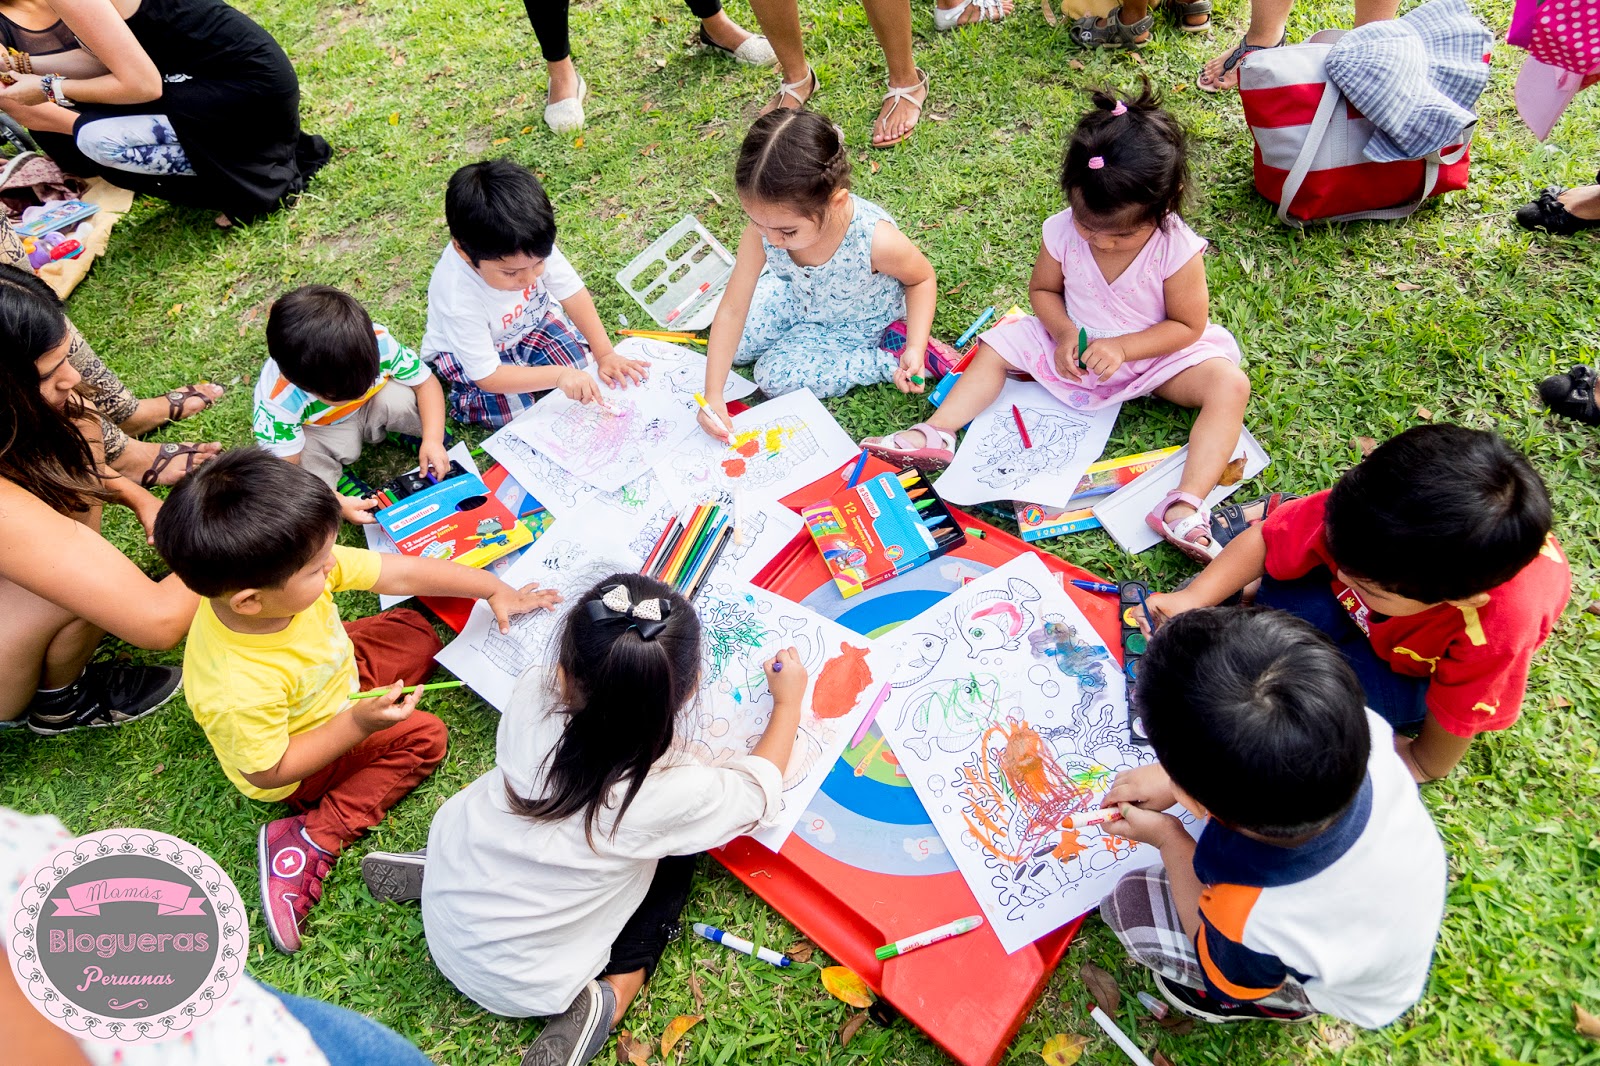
{"type": "Point", "coordinates": [841, 682]}
{"type": "Point", "coordinates": [1019, 816]}
{"type": "Point", "coordinates": [733, 467]}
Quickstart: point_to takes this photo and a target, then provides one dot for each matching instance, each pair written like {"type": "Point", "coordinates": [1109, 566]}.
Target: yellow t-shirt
{"type": "Point", "coordinates": [251, 692]}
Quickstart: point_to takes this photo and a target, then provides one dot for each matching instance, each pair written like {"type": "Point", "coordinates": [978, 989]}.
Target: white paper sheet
{"type": "Point", "coordinates": [1007, 714]}
{"type": "Point", "coordinates": [1122, 513]}
{"type": "Point", "coordinates": [781, 445]}
{"type": "Point", "coordinates": [379, 541]}
{"type": "Point", "coordinates": [680, 368]}
{"type": "Point", "coordinates": [743, 628]}
{"type": "Point", "coordinates": [570, 557]}
{"type": "Point", "coordinates": [992, 463]}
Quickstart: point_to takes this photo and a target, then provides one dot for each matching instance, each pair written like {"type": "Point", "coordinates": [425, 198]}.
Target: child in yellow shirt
{"type": "Point", "coordinates": [269, 669]}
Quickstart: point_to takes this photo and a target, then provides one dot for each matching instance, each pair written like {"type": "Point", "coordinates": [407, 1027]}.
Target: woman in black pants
{"type": "Point", "coordinates": [564, 112]}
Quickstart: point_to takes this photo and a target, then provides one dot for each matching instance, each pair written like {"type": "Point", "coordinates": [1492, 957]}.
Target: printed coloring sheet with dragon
{"type": "Point", "coordinates": [743, 627]}
{"type": "Point", "coordinates": [993, 464]}
{"type": "Point", "coordinates": [1008, 713]}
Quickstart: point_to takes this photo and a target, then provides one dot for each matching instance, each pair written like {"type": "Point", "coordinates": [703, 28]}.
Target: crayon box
{"type": "Point", "coordinates": [458, 518]}
{"type": "Point", "coordinates": [1038, 522]}
{"type": "Point", "coordinates": [883, 527]}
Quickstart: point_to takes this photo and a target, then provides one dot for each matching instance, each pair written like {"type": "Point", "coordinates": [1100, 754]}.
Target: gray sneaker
{"type": "Point", "coordinates": [575, 1036]}
{"type": "Point", "coordinates": [395, 875]}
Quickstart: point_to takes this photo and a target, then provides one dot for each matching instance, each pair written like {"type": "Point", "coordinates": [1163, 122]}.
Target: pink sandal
{"type": "Point", "coordinates": [1187, 533]}
{"type": "Point", "coordinates": [926, 459]}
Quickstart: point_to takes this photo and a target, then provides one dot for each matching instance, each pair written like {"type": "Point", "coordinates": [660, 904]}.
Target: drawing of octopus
{"type": "Point", "coordinates": [1021, 819]}
{"type": "Point", "coordinates": [996, 620]}
{"type": "Point", "coordinates": [950, 713]}
{"type": "Point", "coordinates": [1083, 663]}
{"type": "Point", "coordinates": [1002, 459]}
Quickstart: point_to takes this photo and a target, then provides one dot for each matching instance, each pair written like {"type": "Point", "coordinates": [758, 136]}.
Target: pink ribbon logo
{"type": "Point", "coordinates": [171, 899]}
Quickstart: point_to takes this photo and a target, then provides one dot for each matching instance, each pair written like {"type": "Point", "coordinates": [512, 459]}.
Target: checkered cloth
{"type": "Point", "coordinates": [1141, 912]}
{"type": "Point", "coordinates": [550, 343]}
{"type": "Point", "coordinates": [1415, 78]}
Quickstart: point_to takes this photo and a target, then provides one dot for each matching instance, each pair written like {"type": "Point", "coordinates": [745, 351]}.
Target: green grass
{"type": "Point", "coordinates": [407, 92]}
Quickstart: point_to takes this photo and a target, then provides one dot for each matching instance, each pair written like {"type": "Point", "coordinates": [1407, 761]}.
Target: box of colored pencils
{"type": "Point", "coordinates": [456, 518]}
{"type": "Point", "coordinates": [1038, 522]}
{"type": "Point", "coordinates": [881, 528]}
{"type": "Point", "coordinates": [690, 546]}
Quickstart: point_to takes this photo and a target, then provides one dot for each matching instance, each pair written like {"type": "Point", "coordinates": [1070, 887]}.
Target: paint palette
{"type": "Point", "coordinates": [1130, 595]}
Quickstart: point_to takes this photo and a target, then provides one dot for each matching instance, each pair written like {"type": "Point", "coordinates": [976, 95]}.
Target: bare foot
{"type": "Point", "coordinates": [974, 13]}
{"type": "Point", "coordinates": [793, 94]}
{"type": "Point", "coordinates": [1211, 74]}
{"type": "Point", "coordinates": [1584, 201]}
{"type": "Point", "coordinates": [156, 411]}
{"type": "Point", "coordinates": [900, 114]}
{"type": "Point", "coordinates": [140, 455]}
{"type": "Point", "coordinates": [725, 32]}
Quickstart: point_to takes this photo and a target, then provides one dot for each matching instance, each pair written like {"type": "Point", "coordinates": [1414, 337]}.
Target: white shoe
{"type": "Point", "coordinates": [755, 51]}
{"type": "Point", "coordinates": [988, 11]}
{"type": "Point", "coordinates": [566, 116]}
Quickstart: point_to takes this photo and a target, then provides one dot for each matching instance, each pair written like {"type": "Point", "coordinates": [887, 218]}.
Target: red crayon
{"type": "Point", "coordinates": [1021, 429]}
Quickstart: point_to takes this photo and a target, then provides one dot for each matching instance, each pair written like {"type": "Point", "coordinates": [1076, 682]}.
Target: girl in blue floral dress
{"type": "Point", "coordinates": [820, 277]}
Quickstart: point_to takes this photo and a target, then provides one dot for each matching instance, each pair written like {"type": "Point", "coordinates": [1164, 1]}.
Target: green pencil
{"type": "Point", "coordinates": [409, 688]}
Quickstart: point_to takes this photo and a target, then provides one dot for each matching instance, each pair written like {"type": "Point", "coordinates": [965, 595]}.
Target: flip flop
{"type": "Point", "coordinates": [178, 397]}
{"type": "Point", "coordinates": [903, 95]}
{"type": "Point", "coordinates": [928, 460]}
{"type": "Point", "coordinates": [1232, 60]}
{"type": "Point", "coordinates": [165, 457]}
{"type": "Point", "coordinates": [1186, 533]}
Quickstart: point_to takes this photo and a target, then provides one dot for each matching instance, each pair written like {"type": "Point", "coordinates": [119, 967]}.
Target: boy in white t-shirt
{"type": "Point", "coordinates": [1318, 882]}
{"type": "Point", "coordinates": [493, 329]}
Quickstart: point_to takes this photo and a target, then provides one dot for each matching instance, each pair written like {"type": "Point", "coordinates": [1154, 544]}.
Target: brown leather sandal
{"type": "Point", "coordinates": [178, 397]}
{"type": "Point", "coordinates": [165, 457]}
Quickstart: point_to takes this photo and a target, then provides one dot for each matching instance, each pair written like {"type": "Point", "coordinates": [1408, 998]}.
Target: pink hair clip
{"type": "Point", "coordinates": [1120, 109]}
{"type": "Point", "coordinates": [1097, 162]}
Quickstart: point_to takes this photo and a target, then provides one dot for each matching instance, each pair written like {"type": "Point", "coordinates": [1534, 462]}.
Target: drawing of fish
{"type": "Point", "coordinates": [950, 713]}
{"type": "Point", "coordinates": [925, 651]}
{"type": "Point", "coordinates": [997, 620]}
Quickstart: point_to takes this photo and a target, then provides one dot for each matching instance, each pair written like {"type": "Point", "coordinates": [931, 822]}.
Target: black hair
{"type": "Point", "coordinates": [793, 158]}
{"type": "Point", "coordinates": [1256, 715]}
{"type": "Point", "coordinates": [42, 449]}
{"type": "Point", "coordinates": [1131, 166]}
{"type": "Point", "coordinates": [244, 520]}
{"type": "Point", "coordinates": [322, 340]}
{"type": "Point", "coordinates": [621, 697]}
{"type": "Point", "coordinates": [1438, 513]}
{"type": "Point", "coordinates": [497, 208]}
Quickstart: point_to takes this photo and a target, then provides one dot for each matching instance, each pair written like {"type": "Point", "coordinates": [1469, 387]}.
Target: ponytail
{"type": "Point", "coordinates": [1126, 155]}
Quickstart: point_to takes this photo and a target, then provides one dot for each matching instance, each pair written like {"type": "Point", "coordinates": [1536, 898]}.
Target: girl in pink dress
{"type": "Point", "coordinates": [1121, 265]}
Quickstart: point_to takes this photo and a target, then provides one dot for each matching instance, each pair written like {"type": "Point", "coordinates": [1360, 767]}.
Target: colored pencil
{"type": "Point", "coordinates": [855, 473]}
{"type": "Point", "coordinates": [661, 541]}
{"type": "Point", "coordinates": [914, 493]}
{"type": "Point", "coordinates": [923, 505]}
{"type": "Point", "coordinates": [863, 766]}
{"type": "Point", "coordinates": [973, 329]}
{"type": "Point", "coordinates": [697, 550]}
{"type": "Point", "coordinates": [1022, 430]}
{"type": "Point", "coordinates": [1096, 586]}
{"type": "Point", "coordinates": [935, 520]}
{"type": "Point", "coordinates": [1148, 617]}
{"type": "Point", "coordinates": [672, 546]}
{"type": "Point", "coordinates": [703, 288]}
{"type": "Point", "coordinates": [872, 715]}
{"type": "Point", "coordinates": [701, 566]}
{"type": "Point", "coordinates": [669, 573]}
{"type": "Point", "coordinates": [908, 477]}
{"type": "Point", "coordinates": [1119, 1038]}
{"type": "Point", "coordinates": [709, 565]}
{"type": "Point", "coordinates": [700, 399]}
{"type": "Point", "coordinates": [674, 334]}
{"type": "Point", "coordinates": [408, 689]}
{"type": "Point", "coordinates": [940, 534]}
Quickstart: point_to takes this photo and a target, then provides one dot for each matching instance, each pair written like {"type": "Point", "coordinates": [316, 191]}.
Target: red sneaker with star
{"type": "Point", "coordinates": [291, 869]}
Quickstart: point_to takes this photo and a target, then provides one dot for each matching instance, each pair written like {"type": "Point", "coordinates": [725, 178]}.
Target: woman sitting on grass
{"type": "Point", "coordinates": [62, 586]}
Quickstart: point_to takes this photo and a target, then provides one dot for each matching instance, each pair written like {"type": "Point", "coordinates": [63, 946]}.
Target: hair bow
{"type": "Point", "coordinates": [1097, 162]}
{"type": "Point", "coordinates": [649, 616]}
{"type": "Point", "coordinates": [1120, 109]}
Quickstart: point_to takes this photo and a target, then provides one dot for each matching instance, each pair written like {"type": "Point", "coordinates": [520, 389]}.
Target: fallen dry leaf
{"type": "Point", "coordinates": [1182, 86]}
{"type": "Point", "coordinates": [1158, 1059]}
{"type": "Point", "coordinates": [1587, 1023]}
{"type": "Point", "coordinates": [174, 309]}
{"type": "Point", "coordinates": [1593, 608]}
{"type": "Point", "coordinates": [851, 1026]}
{"type": "Point", "coordinates": [394, 118]}
{"type": "Point", "coordinates": [1050, 16]}
{"type": "Point", "coordinates": [1177, 1024]}
{"type": "Point", "coordinates": [1075, 64]}
{"type": "Point", "coordinates": [499, 141]}
{"type": "Point", "coordinates": [675, 1030]}
{"type": "Point", "coordinates": [1137, 58]}
{"type": "Point", "coordinates": [1063, 1049]}
{"type": "Point", "coordinates": [1103, 987]}
{"type": "Point", "coordinates": [697, 990]}
{"type": "Point", "coordinates": [952, 290]}
{"type": "Point", "coordinates": [1558, 702]}
{"type": "Point", "coordinates": [873, 163]}
{"type": "Point", "coordinates": [631, 1052]}
{"type": "Point", "coordinates": [1425, 414]}
{"type": "Point", "coordinates": [1406, 286]}
{"type": "Point", "coordinates": [800, 951]}
{"type": "Point", "coordinates": [1366, 444]}
{"type": "Point", "coordinates": [1231, 475]}
{"type": "Point", "coordinates": [578, 143]}
{"type": "Point", "coordinates": [845, 984]}
{"type": "Point", "coordinates": [527, 129]}
{"type": "Point", "coordinates": [650, 149]}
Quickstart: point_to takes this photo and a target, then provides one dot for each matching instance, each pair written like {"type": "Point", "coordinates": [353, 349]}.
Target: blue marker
{"type": "Point", "coordinates": [1096, 586]}
{"type": "Point", "coordinates": [972, 330]}
{"type": "Point", "coordinates": [739, 944]}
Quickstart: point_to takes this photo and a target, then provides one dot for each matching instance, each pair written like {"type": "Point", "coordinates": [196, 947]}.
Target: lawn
{"type": "Point", "coordinates": [1348, 333]}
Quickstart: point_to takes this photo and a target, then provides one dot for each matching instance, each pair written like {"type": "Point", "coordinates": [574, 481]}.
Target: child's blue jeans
{"type": "Point", "coordinates": [347, 1038]}
{"type": "Point", "coordinates": [1397, 698]}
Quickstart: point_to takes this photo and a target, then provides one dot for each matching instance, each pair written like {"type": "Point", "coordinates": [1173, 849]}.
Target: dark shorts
{"type": "Point", "coordinates": [657, 922]}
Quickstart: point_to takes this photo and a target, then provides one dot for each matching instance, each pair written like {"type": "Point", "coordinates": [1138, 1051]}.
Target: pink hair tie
{"type": "Point", "coordinates": [1097, 162]}
{"type": "Point", "coordinates": [1120, 109]}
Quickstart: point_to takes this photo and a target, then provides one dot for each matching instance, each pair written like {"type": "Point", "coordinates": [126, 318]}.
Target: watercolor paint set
{"type": "Point", "coordinates": [885, 526]}
{"type": "Point", "coordinates": [1131, 596]}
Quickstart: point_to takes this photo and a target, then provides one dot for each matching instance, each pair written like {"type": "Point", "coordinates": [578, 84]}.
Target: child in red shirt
{"type": "Point", "coordinates": [1431, 565]}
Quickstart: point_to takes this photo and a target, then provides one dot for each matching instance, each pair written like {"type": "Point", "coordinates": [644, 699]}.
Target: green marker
{"type": "Point", "coordinates": [409, 688]}
{"type": "Point", "coordinates": [973, 531]}
{"type": "Point", "coordinates": [917, 379]}
{"type": "Point", "coordinates": [932, 936]}
{"type": "Point", "coordinates": [1083, 342]}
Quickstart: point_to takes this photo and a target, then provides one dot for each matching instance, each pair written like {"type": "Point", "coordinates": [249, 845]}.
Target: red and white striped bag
{"type": "Point", "coordinates": [1309, 144]}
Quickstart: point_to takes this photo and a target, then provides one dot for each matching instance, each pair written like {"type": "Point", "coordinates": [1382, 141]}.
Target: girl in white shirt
{"type": "Point", "coordinates": [555, 881]}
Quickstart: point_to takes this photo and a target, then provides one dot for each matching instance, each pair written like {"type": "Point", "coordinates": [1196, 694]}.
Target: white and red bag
{"type": "Point", "coordinates": [1309, 143]}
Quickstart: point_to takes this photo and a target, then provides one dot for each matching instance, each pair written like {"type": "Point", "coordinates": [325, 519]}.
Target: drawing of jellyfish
{"type": "Point", "coordinates": [1004, 461]}
{"type": "Point", "coordinates": [1082, 662]}
{"type": "Point", "coordinates": [997, 620]}
{"type": "Point", "coordinates": [950, 713]}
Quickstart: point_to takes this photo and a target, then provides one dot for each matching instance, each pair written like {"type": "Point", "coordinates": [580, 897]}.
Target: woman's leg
{"type": "Point", "coordinates": [780, 24]}
{"type": "Point", "coordinates": [46, 647]}
{"type": "Point", "coordinates": [549, 21]}
{"type": "Point", "coordinates": [716, 24]}
{"type": "Point", "coordinates": [1220, 390]}
{"type": "Point", "coordinates": [891, 24]}
{"type": "Point", "coordinates": [1268, 20]}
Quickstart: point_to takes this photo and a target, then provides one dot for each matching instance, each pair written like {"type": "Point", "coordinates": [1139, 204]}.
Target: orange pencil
{"type": "Point", "coordinates": [669, 573]}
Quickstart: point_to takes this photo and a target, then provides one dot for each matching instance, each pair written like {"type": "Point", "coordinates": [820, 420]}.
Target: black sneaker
{"type": "Point", "coordinates": [1572, 394]}
{"type": "Point", "coordinates": [1548, 213]}
{"type": "Point", "coordinates": [395, 875]}
{"type": "Point", "coordinates": [104, 694]}
{"type": "Point", "coordinates": [577, 1034]}
{"type": "Point", "coordinates": [1197, 1004]}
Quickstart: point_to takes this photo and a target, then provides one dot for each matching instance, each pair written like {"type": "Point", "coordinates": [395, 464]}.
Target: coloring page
{"type": "Point", "coordinates": [993, 464]}
{"type": "Point", "coordinates": [570, 558]}
{"type": "Point", "coordinates": [1008, 713]}
{"type": "Point", "coordinates": [779, 446]}
{"type": "Point", "coordinates": [742, 629]}
{"type": "Point", "coordinates": [768, 528]}
{"type": "Point", "coordinates": [564, 494]}
{"type": "Point", "coordinates": [680, 368]}
{"type": "Point", "coordinates": [610, 443]}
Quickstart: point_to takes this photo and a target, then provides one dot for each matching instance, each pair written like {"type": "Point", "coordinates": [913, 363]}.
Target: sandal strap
{"type": "Point", "coordinates": [899, 93]}
{"type": "Point", "coordinates": [787, 88]}
{"type": "Point", "coordinates": [1114, 31]}
{"type": "Point", "coordinates": [1244, 48]}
